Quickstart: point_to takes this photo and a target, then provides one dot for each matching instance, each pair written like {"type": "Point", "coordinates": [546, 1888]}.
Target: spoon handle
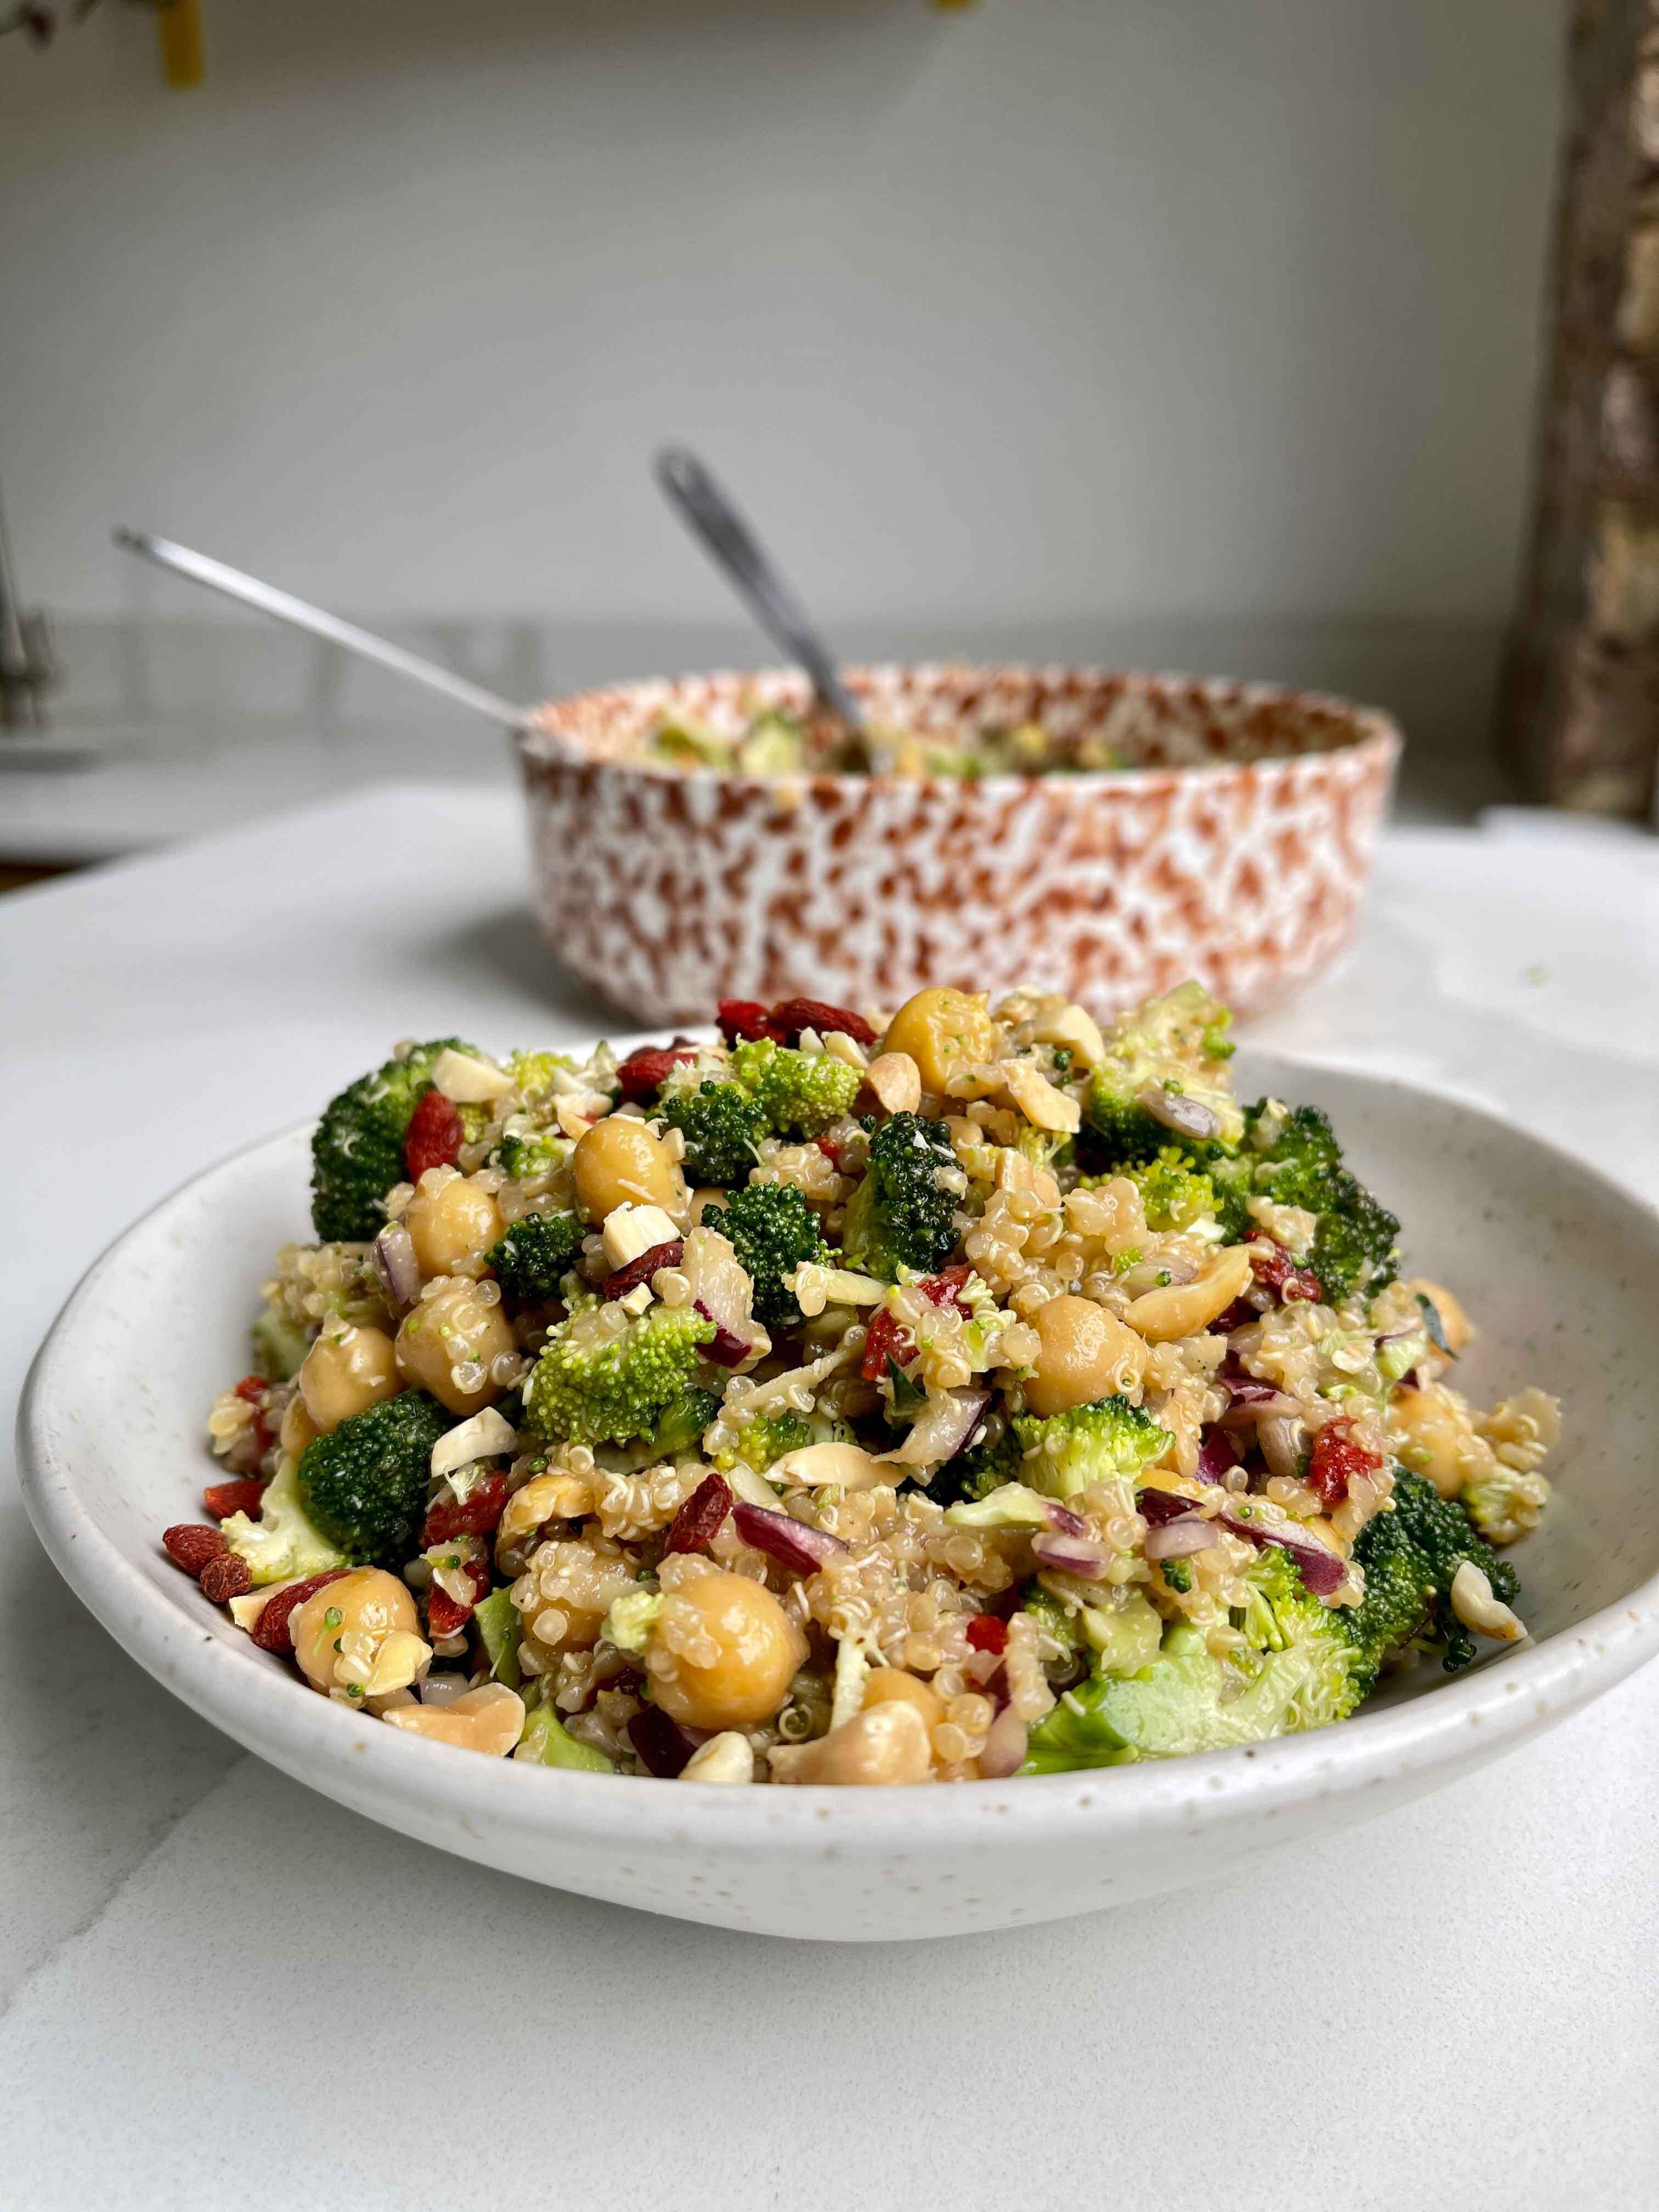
{"type": "Point", "coordinates": [200, 568]}
{"type": "Point", "coordinates": [732, 544]}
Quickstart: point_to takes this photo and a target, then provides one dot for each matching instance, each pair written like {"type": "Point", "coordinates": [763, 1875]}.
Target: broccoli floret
{"type": "Point", "coordinates": [1282, 1614]}
{"type": "Point", "coordinates": [1354, 1248]}
{"type": "Point", "coordinates": [526, 1155]}
{"type": "Point", "coordinates": [534, 1254]}
{"type": "Point", "coordinates": [994, 1460]}
{"type": "Point", "coordinates": [772, 1229]}
{"type": "Point", "coordinates": [283, 1542]}
{"type": "Point", "coordinates": [357, 1153]}
{"type": "Point", "coordinates": [1506, 1503]}
{"type": "Point", "coordinates": [1064, 1453]}
{"type": "Point", "coordinates": [592, 1389]}
{"type": "Point", "coordinates": [1175, 1045]}
{"type": "Point", "coordinates": [364, 1485]}
{"type": "Point", "coordinates": [1063, 1626]}
{"type": "Point", "coordinates": [764, 1440]}
{"type": "Point", "coordinates": [1409, 1556]}
{"type": "Point", "coordinates": [680, 1430]}
{"type": "Point", "coordinates": [801, 1093]}
{"type": "Point", "coordinates": [723, 1125]}
{"type": "Point", "coordinates": [901, 1216]}
{"type": "Point", "coordinates": [532, 1072]}
{"type": "Point", "coordinates": [1174, 1192]}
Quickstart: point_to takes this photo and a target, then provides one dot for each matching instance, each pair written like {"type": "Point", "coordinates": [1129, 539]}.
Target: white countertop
{"type": "Point", "coordinates": [216, 1990]}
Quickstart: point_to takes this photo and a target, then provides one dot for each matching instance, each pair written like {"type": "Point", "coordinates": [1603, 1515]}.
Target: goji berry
{"type": "Point", "coordinates": [987, 1633]}
{"type": "Point", "coordinates": [191, 1544]}
{"type": "Point", "coordinates": [225, 1577]}
{"type": "Point", "coordinates": [830, 1150]}
{"type": "Point", "coordinates": [698, 1521]}
{"type": "Point", "coordinates": [945, 1288]}
{"type": "Point", "coordinates": [477, 1514]}
{"type": "Point", "coordinates": [434, 1137]}
{"type": "Point", "coordinates": [252, 1388]}
{"type": "Point", "coordinates": [745, 1019]}
{"type": "Point", "coordinates": [1335, 1461]}
{"type": "Point", "coordinates": [642, 1073]}
{"type": "Point", "coordinates": [447, 1616]}
{"type": "Point", "coordinates": [886, 1340]}
{"type": "Point", "coordinates": [642, 1269]}
{"type": "Point", "coordinates": [792, 1015]}
{"type": "Point", "coordinates": [222, 1499]}
{"type": "Point", "coordinates": [272, 1632]}
{"type": "Point", "coordinates": [1278, 1273]}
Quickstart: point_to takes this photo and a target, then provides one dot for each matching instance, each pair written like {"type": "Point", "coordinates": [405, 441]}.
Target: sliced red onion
{"type": "Point", "coordinates": [785, 1540]}
{"type": "Point", "coordinates": [1177, 1111]}
{"type": "Point", "coordinates": [1321, 1570]}
{"type": "Point", "coordinates": [1258, 1401]}
{"type": "Point", "coordinates": [1065, 1522]}
{"type": "Point", "coordinates": [393, 1257]}
{"type": "Point", "coordinates": [1004, 1746]}
{"type": "Point", "coordinates": [723, 1349]}
{"type": "Point", "coordinates": [1177, 1540]}
{"type": "Point", "coordinates": [1218, 1455]}
{"type": "Point", "coordinates": [1157, 1506]}
{"type": "Point", "coordinates": [1071, 1555]}
{"type": "Point", "coordinates": [721, 1293]}
{"type": "Point", "coordinates": [941, 1431]}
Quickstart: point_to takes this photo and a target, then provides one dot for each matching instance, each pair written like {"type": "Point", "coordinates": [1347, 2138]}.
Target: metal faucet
{"type": "Point", "coordinates": [28, 666]}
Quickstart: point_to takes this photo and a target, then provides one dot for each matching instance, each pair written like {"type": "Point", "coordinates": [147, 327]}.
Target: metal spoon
{"type": "Point", "coordinates": [200, 568]}
{"type": "Point", "coordinates": [728, 537]}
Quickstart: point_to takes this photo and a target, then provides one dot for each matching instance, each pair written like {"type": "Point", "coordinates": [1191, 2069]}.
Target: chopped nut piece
{"type": "Point", "coordinates": [1043, 1107]}
{"type": "Point", "coordinates": [467, 1080]}
{"type": "Point", "coordinates": [724, 1757]}
{"type": "Point", "coordinates": [489, 1719]}
{"type": "Point", "coordinates": [896, 1081]}
{"type": "Point", "coordinates": [1474, 1603]}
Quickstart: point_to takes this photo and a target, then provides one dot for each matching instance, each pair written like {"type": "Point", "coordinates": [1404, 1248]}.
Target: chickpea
{"type": "Point", "coordinates": [942, 1031]}
{"type": "Point", "coordinates": [359, 1631]}
{"type": "Point", "coordinates": [884, 1744]}
{"type": "Point", "coordinates": [885, 1686]}
{"type": "Point", "coordinates": [723, 1654]}
{"type": "Point", "coordinates": [346, 1371]}
{"type": "Point", "coordinates": [450, 1332]}
{"type": "Point", "coordinates": [620, 1162]}
{"type": "Point", "coordinates": [452, 1223]}
{"type": "Point", "coordinates": [1086, 1353]}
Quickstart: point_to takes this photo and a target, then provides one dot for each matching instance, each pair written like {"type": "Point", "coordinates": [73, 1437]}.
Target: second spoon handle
{"type": "Point", "coordinates": [733, 544]}
{"type": "Point", "coordinates": [218, 576]}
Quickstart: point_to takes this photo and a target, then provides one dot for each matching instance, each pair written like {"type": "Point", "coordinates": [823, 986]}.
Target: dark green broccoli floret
{"type": "Point", "coordinates": [772, 1230]}
{"type": "Point", "coordinates": [1354, 1248]}
{"type": "Point", "coordinates": [357, 1153]}
{"type": "Point", "coordinates": [900, 1215]}
{"type": "Point", "coordinates": [364, 1485]}
{"type": "Point", "coordinates": [801, 1093]}
{"type": "Point", "coordinates": [680, 1430]}
{"type": "Point", "coordinates": [1175, 1046]}
{"type": "Point", "coordinates": [592, 1388]}
{"type": "Point", "coordinates": [723, 1125]}
{"type": "Point", "coordinates": [974, 1474]}
{"type": "Point", "coordinates": [1410, 1556]}
{"type": "Point", "coordinates": [534, 1254]}
{"type": "Point", "coordinates": [1064, 1453]}
{"type": "Point", "coordinates": [525, 1155]}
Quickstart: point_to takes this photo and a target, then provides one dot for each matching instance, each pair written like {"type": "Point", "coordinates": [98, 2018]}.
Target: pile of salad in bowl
{"type": "Point", "coordinates": [858, 1398]}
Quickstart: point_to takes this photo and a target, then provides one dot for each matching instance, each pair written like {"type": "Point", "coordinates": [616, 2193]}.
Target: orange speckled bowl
{"type": "Point", "coordinates": [1236, 850]}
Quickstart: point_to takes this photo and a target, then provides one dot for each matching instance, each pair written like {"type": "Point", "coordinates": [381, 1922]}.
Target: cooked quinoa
{"type": "Point", "coordinates": [857, 1398]}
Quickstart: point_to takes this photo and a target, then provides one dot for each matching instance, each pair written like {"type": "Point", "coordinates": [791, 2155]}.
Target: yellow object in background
{"type": "Point", "coordinates": [180, 25]}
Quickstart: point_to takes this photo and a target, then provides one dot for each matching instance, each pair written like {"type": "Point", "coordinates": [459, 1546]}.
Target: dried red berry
{"type": "Point", "coordinates": [225, 1577]}
{"type": "Point", "coordinates": [222, 1499]}
{"type": "Point", "coordinates": [477, 1515]}
{"type": "Point", "coordinates": [987, 1633]}
{"type": "Point", "coordinates": [1335, 1461]}
{"type": "Point", "coordinates": [945, 1288]}
{"type": "Point", "coordinates": [663, 1745]}
{"type": "Point", "coordinates": [830, 1150]}
{"type": "Point", "coordinates": [252, 1388]}
{"type": "Point", "coordinates": [272, 1632]}
{"type": "Point", "coordinates": [447, 1616]}
{"type": "Point", "coordinates": [792, 1015]}
{"type": "Point", "coordinates": [642, 1269]}
{"type": "Point", "coordinates": [433, 1139]}
{"type": "Point", "coordinates": [1277, 1272]}
{"type": "Point", "coordinates": [886, 1340]}
{"type": "Point", "coordinates": [191, 1544]}
{"type": "Point", "coordinates": [745, 1019]}
{"type": "Point", "coordinates": [644, 1073]}
{"type": "Point", "coordinates": [699, 1519]}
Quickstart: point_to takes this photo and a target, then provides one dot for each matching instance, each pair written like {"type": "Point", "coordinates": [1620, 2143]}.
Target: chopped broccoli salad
{"type": "Point", "coordinates": [772, 741]}
{"type": "Point", "coordinates": [932, 1397]}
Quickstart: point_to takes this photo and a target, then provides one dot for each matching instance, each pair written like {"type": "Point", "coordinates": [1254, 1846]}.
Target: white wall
{"type": "Point", "coordinates": [1046, 308]}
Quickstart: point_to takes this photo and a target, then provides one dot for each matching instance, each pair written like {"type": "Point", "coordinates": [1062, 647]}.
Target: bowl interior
{"type": "Point", "coordinates": [1146, 721]}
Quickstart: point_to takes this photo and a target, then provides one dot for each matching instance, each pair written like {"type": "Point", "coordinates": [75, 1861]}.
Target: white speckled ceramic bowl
{"type": "Point", "coordinates": [1560, 1268]}
{"type": "Point", "coordinates": [1236, 849]}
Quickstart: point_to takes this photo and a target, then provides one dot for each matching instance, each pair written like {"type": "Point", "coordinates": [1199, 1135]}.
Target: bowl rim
{"type": "Point", "coordinates": [543, 745]}
{"type": "Point", "coordinates": [256, 1699]}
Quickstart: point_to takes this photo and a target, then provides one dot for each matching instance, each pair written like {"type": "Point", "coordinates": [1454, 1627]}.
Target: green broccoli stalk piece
{"type": "Point", "coordinates": [533, 1255]}
{"type": "Point", "coordinates": [1064, 1453]}
{"type": "Point", "coordinates": [1175, 1045]}
{"type": "Point", "coordinates": [800, 1093]}
{"type": "Point", "coordinates": [772, 1229]}
{"type": "Point", "coordinates": [283, 1543]}
{"type": "Point", "coordinates": [902, 1215]}
{"type": "Point", "coordinates": [680, 1429]}
{"type": "Point", "coordinates": [1410, 1555]}
{"type": "Point", "coordinates": [592, 1389]}
{"type": "Point", "coordinates": [546, 1741]}
{"type": "Point", "coordinates": [722, 1124]}
{"type": "Point", "coordinates": [364, 1485]}
{"type": "Point", "coordinates": [1354, 1246]}
{"type": "Point", "coordinates": [357, 1152]}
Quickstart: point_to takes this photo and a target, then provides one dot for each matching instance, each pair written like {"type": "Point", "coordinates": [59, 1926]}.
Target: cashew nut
{"type": "Point", "coordinates": [1043, 1107]}
{"type": "Point", "coordinates": [882, 1744]}
{"type": "Point", "coordinates": [896, 1081]}
{"type": "Point", "coordinates": [1073, 1026]}
{"type": "Point", "coordinates": [1477, 1609]}
{"type": "Point", "coordinates": [1183, 1309]}
{"type": "Point", "coordinates": [724, 1757]}
{"type": "Point", "coordinates": [849, 1465]}
{"type": "Point", "coordinates": [489, 1719]}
